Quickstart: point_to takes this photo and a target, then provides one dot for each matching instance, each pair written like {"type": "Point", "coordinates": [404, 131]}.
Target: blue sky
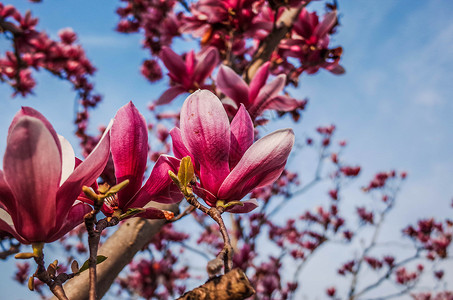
{"type": "Point", "coordinates": [393, 105]}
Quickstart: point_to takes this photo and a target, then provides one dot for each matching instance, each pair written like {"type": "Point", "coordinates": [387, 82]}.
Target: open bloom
{"type": "Point", "coordinates": [257, 97]}
{"type": "Point", "coordinates": [189, 74]}
{"type": "Point", "coordinates": [129, 149]}
{"type": "Point", "coordinates": [40, 183]}
{"type": "Point", "coordinates": [227, 162]}
{"type": "Point", "coordinates": [310, 43]}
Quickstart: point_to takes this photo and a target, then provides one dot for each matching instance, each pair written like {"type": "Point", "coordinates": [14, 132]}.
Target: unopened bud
{"type": "Point", "coordinates": [168, 214]}
{"type": "Point", "coordinates": [25, 255]}
{"type": "Point", "coordinates": [116, 188]}
{"type": "Point", "coordinates": [31, 283]}
{"type": "Point", "coordinates": [74, 266]}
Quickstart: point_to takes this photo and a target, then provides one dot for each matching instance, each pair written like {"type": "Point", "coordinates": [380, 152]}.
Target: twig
{"type": "Point", "coordinates": [226, 254]}
{"type": "Point", "coordinates": [13, 249]}
{"type": "Point", "coordinates": [55, 283]}
{"type": "Point", "coordinates": [186, 212]}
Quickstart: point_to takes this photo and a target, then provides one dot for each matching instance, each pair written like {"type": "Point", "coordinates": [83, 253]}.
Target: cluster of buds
{"type": "Point", "coordinates": [434, 237]}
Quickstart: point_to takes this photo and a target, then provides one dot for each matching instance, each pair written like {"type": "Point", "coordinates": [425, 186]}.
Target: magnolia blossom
{"type": "Point", "coordinates": [226, 160]}
{"type": "Point", "coordinates": [40, 182]}
{"type": "Point", "coordinates": [129, 149]}
{"type": "Point", "coordinates": [310, 41]}
{"type": "Point", "coordinates": [258, 96]}
{"type": "Point", "coordinates": [186, 75]}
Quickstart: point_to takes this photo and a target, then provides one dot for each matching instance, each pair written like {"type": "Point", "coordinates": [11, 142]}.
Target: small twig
{"type": "Point", "coordinates": [55, 283]}
{"type": "Point", "coordinates": [194, 250]}
{"type": "Point", "coordinates": [226, 254]}
{"type": "Point", "coordinates": [13, 249]}
{"type": "Point", "coordinates": [186, 212]}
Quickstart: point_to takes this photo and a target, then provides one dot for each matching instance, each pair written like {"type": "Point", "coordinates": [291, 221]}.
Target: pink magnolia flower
{"type": "Point", "coordinates": [227, 162]}
{"type": "Point", "coordinates": [186, 75]}
{"type": "Point", "coordinates": [258, 96]}
{"type": "Point", "coordinates": [129, 135]}
{"type": "Point", "coordinates": [310, 41]}
{"type": "Point", "coordinates": [40, 183]}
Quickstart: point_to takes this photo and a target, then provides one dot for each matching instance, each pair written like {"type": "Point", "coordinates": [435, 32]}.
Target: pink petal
{"type": "Point", "coordinates": [205, 132]}
{"type": "Point", "coordinates": [258, 81]}
{"type": "Point", "coordinates": [280, 103]}
{"type": "Point", "coordinates": [6, 196]}
{"type": "Point", "coordinates": [326, 25]}
{"type": "Point", "coordinates": [68, 159]}
{"type": "Point", "coordinates": [232, 85]}
{"type": "Point", "coordinates": [170, 94]}
{"type": "Point", "coordinates": [31, 112]}
{"type": "Point", "coordinates": [129, 146]}
{"type": "Point", "coordinates": [159, 187]}
{"type": "Point", "coordinates": [85, 174]}
{"type": "Point", "coordinates": [33, 170]}
{"type": "Point", "coordinates": [174, 63]}
{"type": "Point", "coordinates": [261, 164]}
{"type": "Point", "coordinates": [269, 91]}
{"type": "Point", "coordinates": [6, 224]}
{"type": "Point", "coordinates": [190, 65]}
{"type": "Point", "coordinates": [206, 195]}
{"type": "Point", "coordinates": [205, 65]}
{"type": "Point", "coordinates": [249, 205]}
{"type": "Point", "coordinates": [153, 213]}
{"type": "Point", "coordinates": [241, 135]}
{"type": "Point", "coordinates": [179, 149]}
{"type": "Point", "coordinates": [73, 219]}
{"type": "Point", "coordinates": [336, 69]}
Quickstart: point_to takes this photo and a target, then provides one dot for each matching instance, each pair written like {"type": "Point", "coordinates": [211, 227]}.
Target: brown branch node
{"type": "Point", "coordinates": [234, 285]}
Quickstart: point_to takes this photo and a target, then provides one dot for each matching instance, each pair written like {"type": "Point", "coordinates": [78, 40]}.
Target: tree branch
{"type": "Point", "coordinates": [119, 249]}
{"type": "Point", "coordinates": [234, 285]}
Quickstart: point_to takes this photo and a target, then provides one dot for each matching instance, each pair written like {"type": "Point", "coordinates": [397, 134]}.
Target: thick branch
{"type": "Point", "coordinates": [234, 285]}
{"type": "Point", "coordinates": [268, 45]}
{"type": "Point", "coordinates": [119, 249]}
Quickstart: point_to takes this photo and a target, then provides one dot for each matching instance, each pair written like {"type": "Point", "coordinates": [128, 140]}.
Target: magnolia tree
{"type": "Point", "coordinates": [208, 163]}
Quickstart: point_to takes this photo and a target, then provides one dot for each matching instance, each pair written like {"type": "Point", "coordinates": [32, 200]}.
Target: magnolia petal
{"type": "Point", "coordinates": [129, 146]}
{"type": "Point", "coordinates": [241, 135]}
{"type": "Point", "coordinates": [206, 195]}
{"type": "Point", "coordinates": [31, 112]}
{"type": "Point", "coordinates": [248, 206]}
{"type": "Point", "coordinates": [174, 63]}
{"type": "Point", "coordinates": [269, 91]}
{"type": "Point", "coordinates": [154, 213]}
{"type": "Point", "coordinates": [6, 196]}
{"type": "Point", "coordinates": [232, 85]}
{"type": "Point", "coordinates": [336, 69]}
{"type": "Point", "coordinates": [85, 174]}
{"type": "Point", "coordinates": [258, 81]}
{"type": "Point", "coordinates": [68, 159]}
{"type": "Point", "coordinates": [326, 25]}
{"type": "Point", "coordinates": [159, 185]}
{"type": "Point", "coordinates": [6, 224]}
{"type": "Point", "coordinates": [205, 65]}
{"type": "Point", "coordinates": [180, 150]}
{"type": "Point", "coordinates": [280, 103]}
{"type": "Point", "coordinates": [264, 157]}
{"type": "Point", "coordinates": [205, 131]}
{"type": "Point", "coordinates": [33, 170]}
{"type": "Point", "coordinates": [170, 94]}
{"type": "Point", "coordinates": [74, 218]}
